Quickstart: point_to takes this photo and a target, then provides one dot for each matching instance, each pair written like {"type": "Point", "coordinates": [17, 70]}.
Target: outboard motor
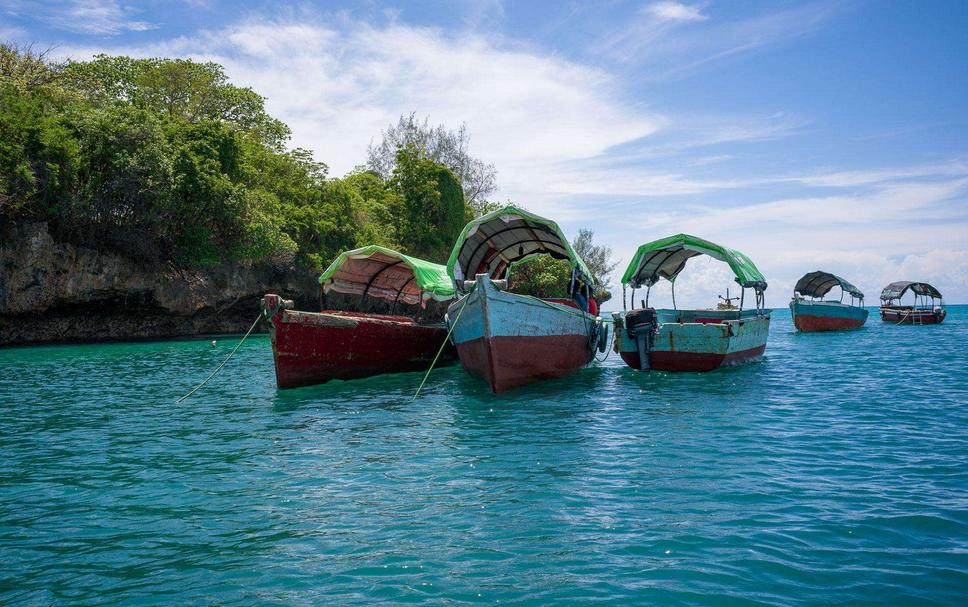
{"type": "Point", "coordinates": [641, 326]}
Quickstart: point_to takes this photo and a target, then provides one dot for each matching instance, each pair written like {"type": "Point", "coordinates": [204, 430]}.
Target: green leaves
{"type": "Point", "coordinates": [167, 162]}
{"type": "Point", "coordinates": [434, 211]}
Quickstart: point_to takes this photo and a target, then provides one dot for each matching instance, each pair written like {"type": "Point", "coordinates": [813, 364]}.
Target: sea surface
{"type": "Point", "coordinates": [835, 471]}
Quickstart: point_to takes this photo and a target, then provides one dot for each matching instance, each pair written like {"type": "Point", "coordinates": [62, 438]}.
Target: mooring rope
{"type": "Point", "coordinates": [611, 343]}
{"type": "Point", "coordinates": [227, 358]}
{"type": "Point", "coordinates": [441, 349]}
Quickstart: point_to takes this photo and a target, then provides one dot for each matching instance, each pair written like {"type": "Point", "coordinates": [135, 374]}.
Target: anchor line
{"type": "Point", "coordinates": [441, 349]}
{"type": "Point", "coordinates": [227, 358]}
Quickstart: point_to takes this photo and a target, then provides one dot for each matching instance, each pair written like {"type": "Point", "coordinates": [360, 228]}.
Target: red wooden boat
{"type": "Point", "coordinates": [812, 315]}
{"type": "Point", "coordinates": [382, 312]}
{"type": "Point", "coordinates": [921, 312]}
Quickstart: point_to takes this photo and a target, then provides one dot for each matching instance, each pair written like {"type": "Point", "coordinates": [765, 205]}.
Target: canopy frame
{"type": "Point", "coordinates": [818, 283]}
{"type": "Point", "coordinates": [646, 269]}
{"type": "Point", "coordinates": [891, 294]}
{"type": "Point", "coordinates": [414, 280]}
{"type": "Point", "coordinates": [539, 236]}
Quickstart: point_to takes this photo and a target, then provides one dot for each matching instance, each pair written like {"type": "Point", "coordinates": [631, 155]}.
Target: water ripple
{"type": "Point", "coordinates": [834, 471]}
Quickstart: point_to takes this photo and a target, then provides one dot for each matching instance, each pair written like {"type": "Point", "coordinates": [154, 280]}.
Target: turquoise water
{"type": "Point", "coordinates": [835, 471]}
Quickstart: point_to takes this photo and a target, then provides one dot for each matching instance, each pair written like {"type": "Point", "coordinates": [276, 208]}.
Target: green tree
{"type": "Point", "coordinates": [478, 179]}
{"type": "Point", "coordinates": [178, 88]}
{"type": "Point", "coordinates": [433, 204]}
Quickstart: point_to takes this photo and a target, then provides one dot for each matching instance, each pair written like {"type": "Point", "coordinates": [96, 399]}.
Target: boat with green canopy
{"type": "Point", "coordinates": [671, 339]}
{"type": "Point", "coordinates": [512, 339]}
{"type": "Point", "coordinates": [381, 312]}
{"type": "Point", "coordinates": [812, 313]}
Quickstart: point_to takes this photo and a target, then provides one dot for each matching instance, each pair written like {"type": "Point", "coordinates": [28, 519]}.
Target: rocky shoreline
{"type": "Point", "coordinates": [53, 292]}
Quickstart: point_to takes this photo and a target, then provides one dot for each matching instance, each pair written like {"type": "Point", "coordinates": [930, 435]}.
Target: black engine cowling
{"type": "Point", "coordinates": [641, 325]}
{"type": "Point", "coordinates": [643, 319]}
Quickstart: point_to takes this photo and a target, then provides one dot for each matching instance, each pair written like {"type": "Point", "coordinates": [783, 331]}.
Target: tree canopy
{"type": "Point", "coordinates": [478, 178]}
{"type": "Point", "coordinates": [166, 161]}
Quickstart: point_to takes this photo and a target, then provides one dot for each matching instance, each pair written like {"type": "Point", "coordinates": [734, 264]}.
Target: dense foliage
{"type": "Point", "coordinates": [545, 276]}
{"type": "Point", "coordinates": [166, 161]}
{"type": "Point", "coordinates": [477, 178]}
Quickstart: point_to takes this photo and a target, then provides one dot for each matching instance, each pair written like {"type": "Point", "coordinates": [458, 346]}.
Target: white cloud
{"type": "Point", "coordinates": [339, 86]}
{"type": "Point", "coordinates": [661, 45]}
{"type": "Point", "coordinates": [894, 228]}
{"type": "Point", "coordinates": [96, 17]}
{"type": "Point", "coordinates": [562, 133]}
{"type": "Point", "coordinates": [675, 11]}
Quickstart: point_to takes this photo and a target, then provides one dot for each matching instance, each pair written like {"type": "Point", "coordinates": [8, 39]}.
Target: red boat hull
{"type": "Point", "coordinates": [313, 348]}
{"type": "Point", "coordinates": [507, 362]}
{"type": "Point", "coordinates": [808, 323]}
{"type": "Point", "coordinates": [900, 316]}
{"type": "Point", "coordinates": [693, 361]}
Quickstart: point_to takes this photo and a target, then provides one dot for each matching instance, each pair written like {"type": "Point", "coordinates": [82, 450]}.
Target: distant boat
{"type": "Point", "coordinates": [690, 340]}
{"type": "Point", "coordinates": [814, 314]}
{"type": "Point", "coordinates": [509, 339]}
{"type": "Point", "coordinates": [382, 313]}
{"type": "Point", "coordinates": [920, 313]}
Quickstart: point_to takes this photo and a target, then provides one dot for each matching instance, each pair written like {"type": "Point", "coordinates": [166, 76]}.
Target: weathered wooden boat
{"type": "Point", "coordinates": [382, 312]}
{"type": "Point", "coordinates": [921, 312]}
{"type": "Point", "coordinates": [511, 339]}
{"type": "Point", "coordinates": [689, 340]}
{"type": "Point", "coordinates": [815, 314]}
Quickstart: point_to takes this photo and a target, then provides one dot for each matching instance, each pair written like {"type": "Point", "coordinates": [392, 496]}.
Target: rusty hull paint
{"type": "Point", "coordinates": [813, 315]}
{"type": "Point", "coordinates": [700, 346]}
{"type": "Point", "coordinates": [913, 316]}
{"type": "Point", "coordinates": [312, 348]}
{"type": "Point", "coordinates": [511, 340]}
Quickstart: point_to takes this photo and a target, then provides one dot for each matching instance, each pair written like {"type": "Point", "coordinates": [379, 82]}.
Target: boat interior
{"type": "Point", "coordinates": [708, 316]}
{"type": "Point", "coordinates": [500, 241]}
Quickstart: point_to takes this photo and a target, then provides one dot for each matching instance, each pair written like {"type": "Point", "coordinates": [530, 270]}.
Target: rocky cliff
{"type": "Point", "coordinates": [55, 292]}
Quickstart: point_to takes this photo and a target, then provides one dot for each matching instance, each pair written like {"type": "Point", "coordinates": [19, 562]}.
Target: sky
{"type": "Point", "coordinates": [827, 135]}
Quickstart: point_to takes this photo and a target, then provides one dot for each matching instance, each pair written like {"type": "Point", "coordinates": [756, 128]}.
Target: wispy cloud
{"type": "Point", "coordinates": [675, 11]}
{"type": "Point", "coordinates": [667, 39]}
{"type": "Point", "coordinates": [894, 224]}
{"type": "Point", "coordinates": [94, 17]}
{"type": "Point", "coordinates": [338, 83]}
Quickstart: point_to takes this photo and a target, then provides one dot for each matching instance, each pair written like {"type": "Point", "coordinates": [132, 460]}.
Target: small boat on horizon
{"type": "Point", "coordinates": [812, 315]}
{"type": "Point", "coordinates": [381, 312]}
{"type": "Point", "coordinates": [510, 339]}
{"type": "Point", "coordinates": [690, 340]}
{"type": "Point", "coordinates": [920, 312]}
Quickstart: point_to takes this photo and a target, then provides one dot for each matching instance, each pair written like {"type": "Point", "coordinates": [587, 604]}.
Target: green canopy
{"type": "Point", "coordinates": [492, 242]}
{"type": "Point", "coordinates": [381, 272]}
{"type": "Point", "coordinates": [666, 257]}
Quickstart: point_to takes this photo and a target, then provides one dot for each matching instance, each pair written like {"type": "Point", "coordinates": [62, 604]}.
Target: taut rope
{"type": "Point", "coordinates": [219, 368]}
{"type": "Point", "coordinates": [441, 349]}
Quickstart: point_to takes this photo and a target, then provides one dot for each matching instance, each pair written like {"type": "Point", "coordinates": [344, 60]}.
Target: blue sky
{"type": "Point", "coordinates": [814, 135]}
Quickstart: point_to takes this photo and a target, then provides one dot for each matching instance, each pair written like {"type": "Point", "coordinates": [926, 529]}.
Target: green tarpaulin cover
{"type": "Point", "coordinates": [666, 257]}
{"type": "Point", "coordinates": [383, 272]}
{"type": "Point", "coordinates": [492, 242]}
